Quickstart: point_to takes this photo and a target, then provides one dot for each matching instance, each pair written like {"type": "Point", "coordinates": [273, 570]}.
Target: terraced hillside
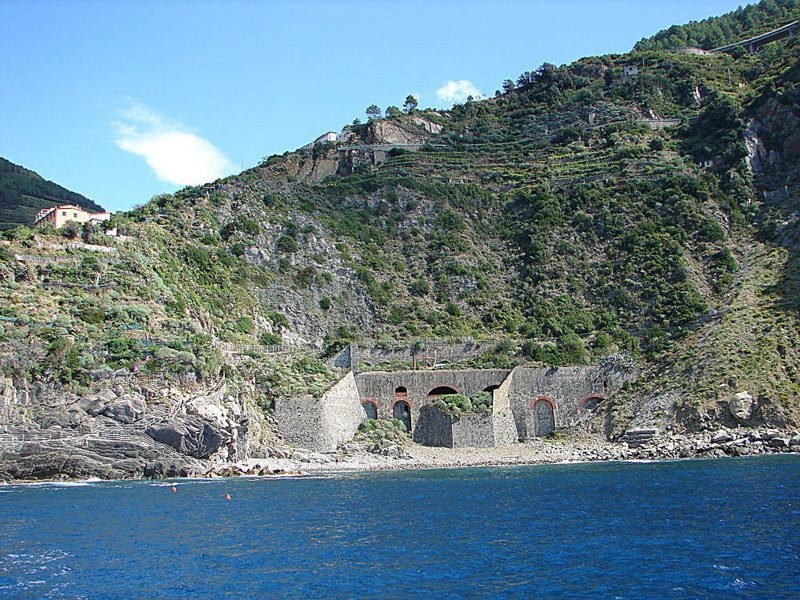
{"type": "Point", "coordinates": [589, 210]}
{"type": "Point", "coordinates": [23, 193]}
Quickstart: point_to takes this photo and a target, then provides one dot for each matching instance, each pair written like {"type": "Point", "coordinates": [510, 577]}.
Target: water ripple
{"type": "Point", "coordinates": [693, 529]}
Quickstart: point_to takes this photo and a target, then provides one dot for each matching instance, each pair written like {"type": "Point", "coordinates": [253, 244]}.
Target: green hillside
{"type": "Point", "coordinates": [585, 213]}
{"type": "Point", "coordinates": [23, 193]}
{"type": "Point", "coordinates": [743, 23]}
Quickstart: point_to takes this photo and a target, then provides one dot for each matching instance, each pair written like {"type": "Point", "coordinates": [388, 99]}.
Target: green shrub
{"type": "Point", "coordinates": [269, 339]}
{"type": "Point", "coordinates": [245, 325]}
{"type": "Point", "coordinates": [287, 245]}
{"type": "Point", "coordinates": [420, 287]}
{"type": "Point", "coordinates": [92, 314]}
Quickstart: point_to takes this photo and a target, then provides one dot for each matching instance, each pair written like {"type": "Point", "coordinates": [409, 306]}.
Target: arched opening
{"type": "Point", "coordinates": [370, 408]}
{"type": "Point", "coordinates": [402, 410]}
{"type": "Point", "coordinates": [543, 416]}
{"type": "Point", "coordinates": [442, 390]}
{"type": "Point", "coordinates": [490, 388]}
{"type": "Point", "coordinates": [401, 392]}
{"type": "Point", "coordinates": [589, 403]}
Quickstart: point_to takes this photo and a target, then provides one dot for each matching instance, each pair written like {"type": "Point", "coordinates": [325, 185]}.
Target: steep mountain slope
{"type": "Point", "coordinates": [592, 211]}
{"type": "Point", "coordinates": [23, 193]}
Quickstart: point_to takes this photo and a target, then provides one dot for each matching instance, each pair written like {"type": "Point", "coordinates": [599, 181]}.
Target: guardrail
{"type": "Point", "coordinates": [258, 348]}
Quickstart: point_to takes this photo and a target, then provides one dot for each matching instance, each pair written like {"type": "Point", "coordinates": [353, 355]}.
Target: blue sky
{"type": "Point", "coordinates": [122, 100]}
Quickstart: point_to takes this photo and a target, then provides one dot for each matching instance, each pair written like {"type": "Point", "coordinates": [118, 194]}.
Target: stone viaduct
{"type": "Point", "coordinates": [527, 402]}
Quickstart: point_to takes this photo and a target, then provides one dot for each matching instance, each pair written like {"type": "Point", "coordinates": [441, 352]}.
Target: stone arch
{"type": "Point", "coordinates": [542, 418]}
{"type": "Point", "coordinates": [401, 410]}
{"type": "Point", "coordinates": [401, 391]}
{"type": "Point", "coordinates": [591, 401]}
{"type": "Point", "coordinates": [545, 399]}
{"type": "Point", "coordinates": [401, 399]}
{"type": "Point", "coordinates": [370, 407]}
{"type": "Point", "coordinates": [441, 390]}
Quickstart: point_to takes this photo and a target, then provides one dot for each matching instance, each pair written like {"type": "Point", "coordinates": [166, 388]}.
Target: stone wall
{"type": "Point", "coordinates": [473, 430]}
{"type": "Point", "coordinates": [322, 423]}
{"type": "Point", "coordinates": [467, 430]}
{"type": "Point", "coordinates": [380, 386]}
{"type": "Point", "coordinates": [441, 353]}
{"type": "Point", "coordinates": [566, 387]}
{"type": "Point", "coordinates": [341, 411]}
{"type": "Point", "coordinates": [435, 428]}
{"type": "Point", "coordinates": [503, 426]}
{"type": "Point", "coordinates": [567, 394]}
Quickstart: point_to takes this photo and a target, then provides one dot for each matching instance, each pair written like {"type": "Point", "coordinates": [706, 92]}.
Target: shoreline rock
{"type": "Point", "coordinates": [286, 461]}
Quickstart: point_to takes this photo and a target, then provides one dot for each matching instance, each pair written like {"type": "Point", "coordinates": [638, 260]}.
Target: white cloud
{"type": "Point", "coordinates": [457, 91]}
{"type": "Point", "coordinates": [171, 150]}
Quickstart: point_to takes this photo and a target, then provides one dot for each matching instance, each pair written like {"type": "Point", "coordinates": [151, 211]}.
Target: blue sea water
{"type": "Point", "coordinates": [726, 528]}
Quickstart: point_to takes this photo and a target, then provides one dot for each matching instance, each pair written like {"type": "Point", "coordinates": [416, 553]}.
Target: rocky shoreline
{"type": "Point", "coordinates": [575, 447]}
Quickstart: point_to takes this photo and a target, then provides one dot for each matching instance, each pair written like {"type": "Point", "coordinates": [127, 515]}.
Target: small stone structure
{"type": "Point", "coordinates": [322, 423]}
{"type": "Point", "coordinates": [527, 402]}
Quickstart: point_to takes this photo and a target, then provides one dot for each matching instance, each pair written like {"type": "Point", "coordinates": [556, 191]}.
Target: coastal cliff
{"type": "Point", "coordinates": [639, 208]}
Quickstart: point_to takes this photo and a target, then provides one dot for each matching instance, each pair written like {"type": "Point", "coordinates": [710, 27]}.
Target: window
{"type": "Point", "coordinates": [63, 213]}
{"type": "Point", "coordinates": [75, 215]}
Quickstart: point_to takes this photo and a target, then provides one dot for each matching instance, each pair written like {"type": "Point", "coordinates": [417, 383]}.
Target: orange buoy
{"type": "Point", "coordinates": [174, 490]}
{"type": "Point", "coordinates": [227, 496]}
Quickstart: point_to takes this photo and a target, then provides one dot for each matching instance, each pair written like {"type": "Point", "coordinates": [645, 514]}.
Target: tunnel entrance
{"type": "Point", "coordinates": [543, 416]}
{"type": "Point", "coordinates": [370, 409]}
{"type": "Point", "coordinates": [442, 390]}
{"type": "Point", "coordinates": [589, 403]}
{"type": "Point", "coordinates": [402, 411]}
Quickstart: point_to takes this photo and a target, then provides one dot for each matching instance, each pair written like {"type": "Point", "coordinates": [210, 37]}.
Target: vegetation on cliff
{"type": "Point", "coordinates": [586, 210]}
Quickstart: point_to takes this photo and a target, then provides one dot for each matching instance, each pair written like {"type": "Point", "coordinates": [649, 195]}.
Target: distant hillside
{"type": "Point", "coordinates": [731, 27]}
{"type": "Point", "coordinates": [23, 193]}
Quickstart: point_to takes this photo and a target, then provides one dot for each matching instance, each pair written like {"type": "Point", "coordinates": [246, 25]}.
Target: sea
{"type": "Point", "coordinates": [723, 528]}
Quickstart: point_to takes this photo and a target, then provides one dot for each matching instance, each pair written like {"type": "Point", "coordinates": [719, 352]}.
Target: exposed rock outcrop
{"type": "Point", "coordinates": [741, 406]}
{"type": "Point", "coordinates": [116, 433]}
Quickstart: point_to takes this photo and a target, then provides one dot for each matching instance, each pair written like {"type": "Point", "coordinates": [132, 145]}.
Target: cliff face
{"type": "Point", "coordinates": [126, 429]}
{"type": "Point", "coordinates": [773, 139]}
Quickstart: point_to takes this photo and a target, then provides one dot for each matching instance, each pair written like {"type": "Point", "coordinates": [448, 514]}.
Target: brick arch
{"type": "Point", "coordinates": [401, 399]}
{"type": "Point", "coordinates": [589, 397]}
{"type": "Point", "coordinates": [372, 402]}
{"type": "Point", "coordinates": [438, 385]}
{"type": "Point", "coordinates": [546, 399]}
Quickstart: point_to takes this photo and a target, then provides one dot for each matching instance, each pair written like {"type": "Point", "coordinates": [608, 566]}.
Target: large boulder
{"type": "Point", "coordinates": [95, 404]}
{"type": "Point", "coordinates": [741, 406]}
{"type": "Point", "coordinates": [126, 409]}
{"type": "Point", "coordinates": [189, 435]}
